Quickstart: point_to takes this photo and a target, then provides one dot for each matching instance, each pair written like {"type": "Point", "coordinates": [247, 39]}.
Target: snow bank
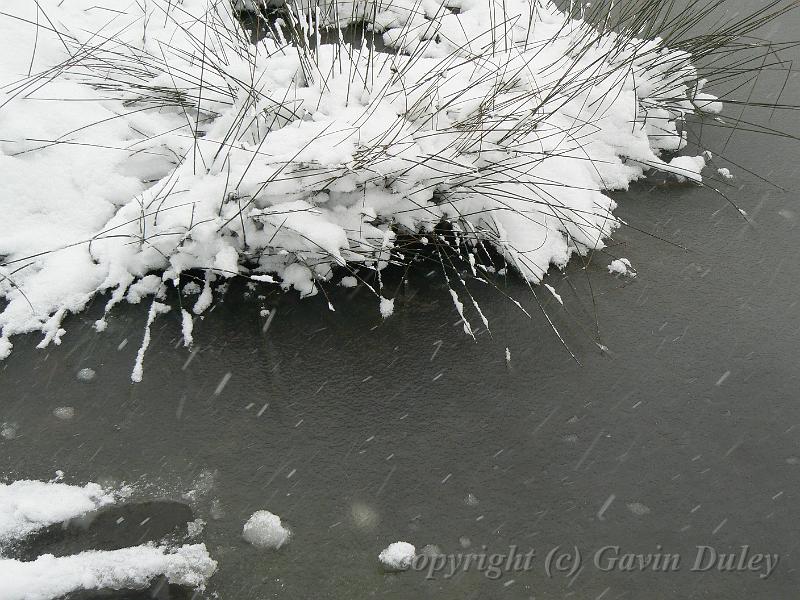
{"type": "Point", "coordinates": [129, 568]}
{"type": "Point", "coordinates": [127, 158]}
{"type": "Point", "coordinates": [27, 506]}
{"type": "Point", "coordinates": [264, 529]}
{"type": "Point", "coordinates": [397, 556]}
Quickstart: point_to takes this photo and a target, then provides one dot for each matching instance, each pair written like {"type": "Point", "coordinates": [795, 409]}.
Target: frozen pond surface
{"type": "Point", "coordinates": [360, 432]}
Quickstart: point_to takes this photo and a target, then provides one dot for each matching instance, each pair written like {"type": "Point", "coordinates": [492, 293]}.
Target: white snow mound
{"type": "Point", "coordinates": [397, 556]}
{"type": "Point", "coordinates": [264, 530]}
{"type": "Point", "coordinates": [622, 266]}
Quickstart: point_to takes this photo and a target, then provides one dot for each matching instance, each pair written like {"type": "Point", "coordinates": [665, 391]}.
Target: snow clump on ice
{"type": "Point", "coordinates": [622, 266]}
{"type": "Point", "coordinates": [397, 556]}
{"type": "Point", "coordinates": [264, 530]}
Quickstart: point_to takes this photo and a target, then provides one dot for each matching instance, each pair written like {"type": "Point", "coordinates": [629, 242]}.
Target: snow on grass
{"type": "Point", "coordinates": [145, 140]}
{"type": "Point", "coordinates": [28, 506]}
{"type": "Point", "coordinates": [50, 577]}
{"type": "Point", "coordinates": [552, 290]}
{"type": "Point", "coordinates": [264, 530]}
{"type": "Point", "coordinates": [397, 556]}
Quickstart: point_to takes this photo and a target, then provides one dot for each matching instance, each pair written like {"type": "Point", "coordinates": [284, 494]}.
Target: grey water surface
{"type": "Point", "coordinates": [360, 431]}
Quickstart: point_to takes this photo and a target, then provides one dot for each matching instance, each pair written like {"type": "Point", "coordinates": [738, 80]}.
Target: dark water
{"type": "Point", "coordinates": [359, 432]}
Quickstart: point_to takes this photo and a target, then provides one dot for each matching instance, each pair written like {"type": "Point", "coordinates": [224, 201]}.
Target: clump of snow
{"type": "Point", "coordinates": [704, 102]}
{"type": "Point", "coordinates": [349, 282]}
{"type": "Point", "coordinates": [300, 278]}
{"type": "Point", "coordinates": [511, 128]}
{"type": "Point", "coordinates": [397, 556]}
{"type": "Point", "coordinates": [387, 307]}
{"type": "Point", "coordinates": [686, 168]}
{"type": "Point", "coordinates": [187, 326]}
{"type": "Point", "coordinates": [622, 266]}
{"type": "Point", "coordinates": [264, 530]}
{"type": "Point", "coordinates": [27, 506]}
{"type": "Point", "coordinates": [725, 173]}
{"type": "Point", "coordinates": [50, 577]}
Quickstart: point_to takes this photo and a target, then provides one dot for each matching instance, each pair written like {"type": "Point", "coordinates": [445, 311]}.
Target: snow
{"type": "Point", "coordinates": [707, 103]}
{"type": "Point", "coordinates": [156, 309]}
{"type": "Point", "coordinates": [264, 530]}
{"type": "Point", "coordinates": [300, 278]}
{"type": "Point", "coordinates": [292, 163]}
{"type": "Point", "coordinates": [387, 307]}
{"type": "Point", "coordinates": [622, 266]}
{"type": "Point", "coordinates": [555, 294]}
{"type": "Point", "coordinates": [187, 326]}
{"type": "Point", "coordinates": [397, 556]}
{"type": "Point", "coordinates": [686, 168]}
{"type": "Point", "coordinates": [725, 173]}
{"type": "Point", "coordinates": [50, 577]}
{"type": "Point", "coordinates": [27, 506]}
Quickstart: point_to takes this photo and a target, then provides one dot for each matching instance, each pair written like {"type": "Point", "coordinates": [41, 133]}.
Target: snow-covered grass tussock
{"type": "Point", "coordinates": [144, 140]}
